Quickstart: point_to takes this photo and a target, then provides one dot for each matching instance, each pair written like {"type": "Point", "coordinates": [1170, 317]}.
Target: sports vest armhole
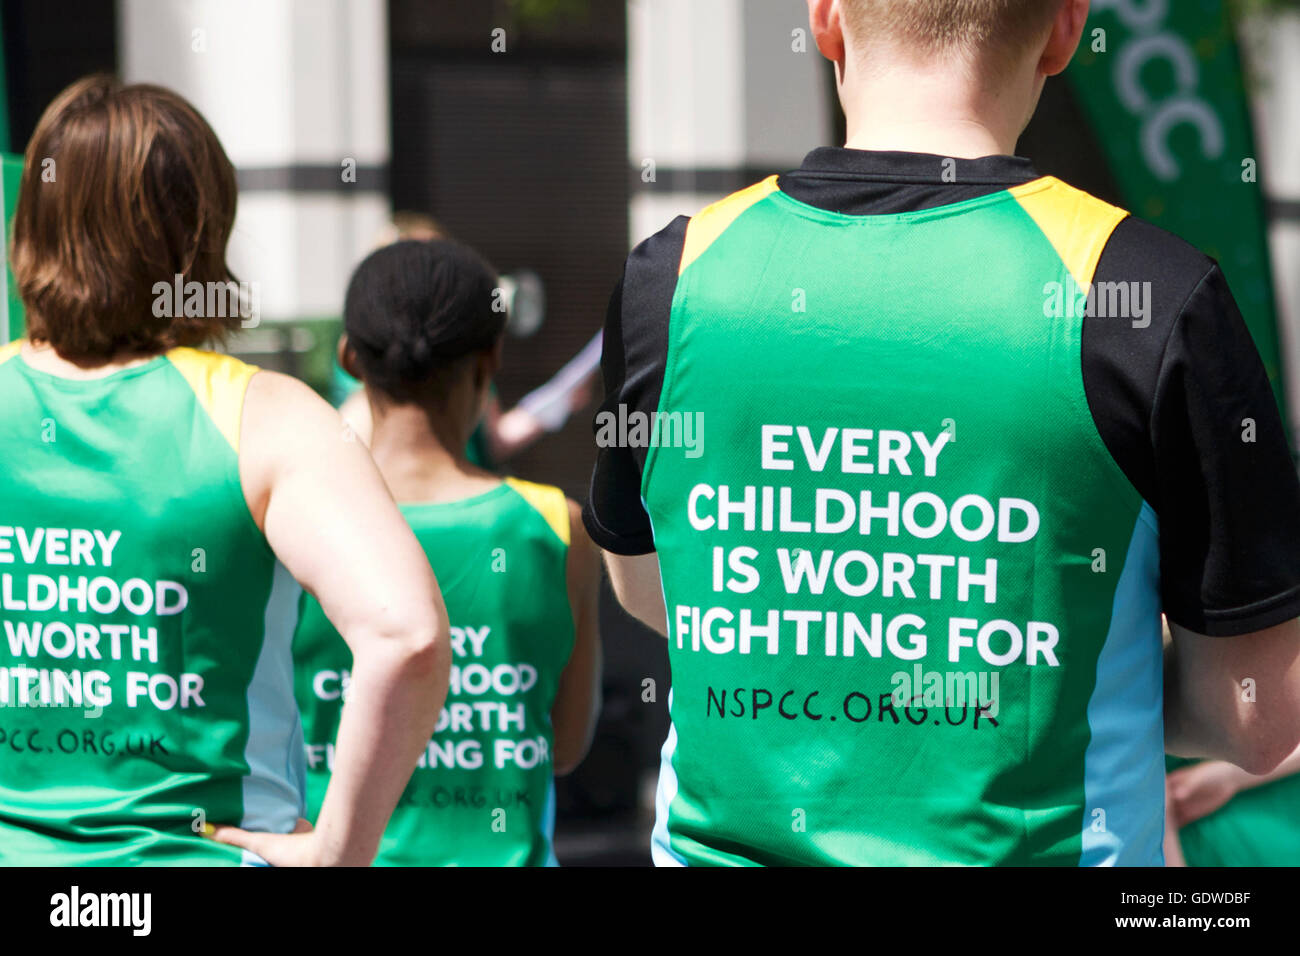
{"type": "Point", "coordinates": [10, 349]}
{"type": "Point", "coordinates": [547, 501]}
{"type": "Point", "coordinates": [710, 223]}
{"type": "Point", "coordinates": [1077, 224]}
{"type": "Point", "coordinates": [220, 383]}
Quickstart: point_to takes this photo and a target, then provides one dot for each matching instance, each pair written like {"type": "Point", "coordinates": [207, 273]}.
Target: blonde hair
{"type": "Point", "coordinates": [983, 30]}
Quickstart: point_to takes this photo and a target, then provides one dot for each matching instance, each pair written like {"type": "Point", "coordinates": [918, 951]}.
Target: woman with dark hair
{"type": "Point", "coordinates": [423, 330]}
{"type": "Point", "coordinates": [148, 489]}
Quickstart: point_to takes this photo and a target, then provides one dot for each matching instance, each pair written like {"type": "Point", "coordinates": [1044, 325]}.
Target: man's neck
{"type": "Point", "coordinates": [958, 140]}
{"type": "Point", "coordinates": [917, 109]}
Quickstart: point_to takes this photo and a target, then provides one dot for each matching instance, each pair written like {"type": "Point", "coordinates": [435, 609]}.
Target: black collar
{"type": "Point", "coordinates": [920, 168]}
{"type": "Point", "coordinates": [863, 182]}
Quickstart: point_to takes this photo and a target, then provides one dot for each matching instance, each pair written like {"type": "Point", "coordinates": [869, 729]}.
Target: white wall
{"type": "Point", "coordinates": [286, 84]}
{"type": "Point", "coordinates": [716, 85]}
{"type": "Point", "coordinates": [1273, 47]}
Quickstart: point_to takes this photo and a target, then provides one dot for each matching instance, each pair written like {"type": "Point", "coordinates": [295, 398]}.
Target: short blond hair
{"type": "Point", "coordinates": [980, 29]}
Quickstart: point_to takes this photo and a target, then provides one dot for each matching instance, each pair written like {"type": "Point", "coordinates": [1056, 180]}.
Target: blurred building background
{"type": "Point", "coordinates": [554, 134]}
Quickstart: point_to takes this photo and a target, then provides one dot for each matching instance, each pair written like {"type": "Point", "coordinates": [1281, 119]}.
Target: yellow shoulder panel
{"type": "Point", "coordinates": [1075, 223]}
{"type": "Point", "coordinates": [549, 502]}
{"type": "Point", "coordinates": [220, 382]}
{"type": "Point", "coordinates": [710, 223]}
{"type": "Point", "coordinates": [10, 349]}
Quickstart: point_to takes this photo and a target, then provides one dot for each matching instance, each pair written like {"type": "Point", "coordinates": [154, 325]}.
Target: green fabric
{"type": "Point", "coordinates": [135, 460]}
{"type": "Point", "coordinates": [938, 326]}
{"type": "Point", "coordinates": [11, 323]}
{"type": "Point", "coordinates": [1257, 827]}
{"type": "Point", "coordinates": [478, 451]}
{"type": "Point", "coordinates": [341, 385]}
{"type": "Point", "coordinates": [483, 793]}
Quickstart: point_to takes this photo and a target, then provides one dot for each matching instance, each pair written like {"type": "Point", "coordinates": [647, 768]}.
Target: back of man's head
{"type": "Point", "coordinates": [988, 32]}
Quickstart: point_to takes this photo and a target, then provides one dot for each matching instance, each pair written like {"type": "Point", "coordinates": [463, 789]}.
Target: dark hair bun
{"type": "Point", "coordinates": [415, 307]}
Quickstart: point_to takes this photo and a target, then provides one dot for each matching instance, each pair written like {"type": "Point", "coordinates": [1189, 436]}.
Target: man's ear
{"type": "Point", "coordinates": [1067, 28]}
{"type": "Point", "coordinates": [348, 358]}
{"type": "Point", "coordinates": [827, 29]}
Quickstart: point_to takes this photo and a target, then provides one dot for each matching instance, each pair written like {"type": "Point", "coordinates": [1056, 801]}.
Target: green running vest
{"type": "Point", "coordinates": [913, 613]}
{"type": "Point", "coordinates": [141, 694]}
{"type": "Point", "coordinates": [483, 791]}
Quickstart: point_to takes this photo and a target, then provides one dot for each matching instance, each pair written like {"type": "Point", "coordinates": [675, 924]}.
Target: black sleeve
{"type": "Point", "coordinates": [633, 359]}
{"type": "Point", "coordinates": [1185, 407]}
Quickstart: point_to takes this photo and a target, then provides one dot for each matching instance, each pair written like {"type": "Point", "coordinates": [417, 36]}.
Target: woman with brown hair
{"type": "Point", "coordinates": [147, 491]}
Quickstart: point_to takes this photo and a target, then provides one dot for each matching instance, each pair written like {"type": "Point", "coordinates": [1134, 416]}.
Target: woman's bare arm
{"type": "Point", "coordinates": [330, 520]}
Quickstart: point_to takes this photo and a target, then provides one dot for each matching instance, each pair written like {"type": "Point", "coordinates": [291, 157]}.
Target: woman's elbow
{"type": "Point", "coordinates": [421, 647]}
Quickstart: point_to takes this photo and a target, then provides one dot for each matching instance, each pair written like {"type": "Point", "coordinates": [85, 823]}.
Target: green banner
{"type": "Point", "coordinates": [1162, 85]}
{"type": "Point", "coordinates": [11, 323]}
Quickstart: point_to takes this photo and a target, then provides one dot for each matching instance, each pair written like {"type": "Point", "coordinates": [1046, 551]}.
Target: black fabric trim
{"type": "Point", "coordinates": [1121, 363]}
{"type": "Point", "coordinates": [1168, 400]}
{"type": "Point", "coordinates": [613, 542]}
{"type": "Point", "coordinates": [930, 168]}
{"type": "Point", "coordinates": [857, 182]}
{"type": "Point", "coordinates": [633, 361]}
{"type": "Point", "coordinates": [1237, 621]}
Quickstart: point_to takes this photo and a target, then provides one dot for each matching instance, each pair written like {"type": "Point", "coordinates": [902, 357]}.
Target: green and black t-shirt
{"type": "Point", "coordinates": [925, 447]}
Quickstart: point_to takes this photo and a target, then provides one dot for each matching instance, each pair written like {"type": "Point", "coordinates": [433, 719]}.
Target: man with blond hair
{"type": "Point", "coordinates": [970, 431]}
